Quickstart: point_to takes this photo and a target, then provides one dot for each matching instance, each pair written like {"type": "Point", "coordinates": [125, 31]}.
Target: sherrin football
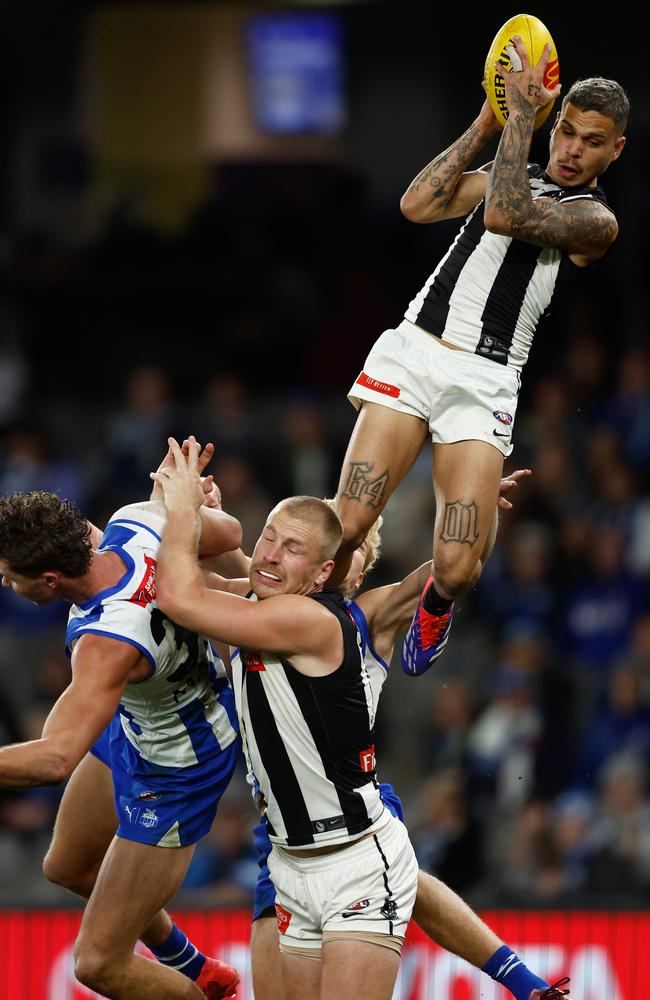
{"type": "Point", "coordinates": [535, 36]}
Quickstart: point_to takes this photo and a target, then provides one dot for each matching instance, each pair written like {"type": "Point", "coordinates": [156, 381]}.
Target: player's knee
{"type": "Point", "coordinates": [456, 576]}
{"type": "Point", "coordinates": [93, 968]}
{"type": "Point", "coordinates": [58, 873]}
{"type": "Point", "coordinates": [55, 872]}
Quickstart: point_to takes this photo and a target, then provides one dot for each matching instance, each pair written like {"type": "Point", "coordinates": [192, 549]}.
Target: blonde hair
{"type": "Point", "coordinates": [315, 513]}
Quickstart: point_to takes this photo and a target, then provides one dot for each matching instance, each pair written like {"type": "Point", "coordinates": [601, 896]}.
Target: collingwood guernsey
{"type": "Point", "coordinates": [309, 741]}
{"type": "Point", "coordinates": [489, 291]}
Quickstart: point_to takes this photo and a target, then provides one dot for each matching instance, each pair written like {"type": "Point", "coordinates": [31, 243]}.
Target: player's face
{"type": "Point", "coordinates": [287, 558]}
{"type": "Point", "coordinates": [354, 579]}
{"type": "Point", "coordinates": [38, 589]}
{"type": "Point", "coordinates": [583, 144]}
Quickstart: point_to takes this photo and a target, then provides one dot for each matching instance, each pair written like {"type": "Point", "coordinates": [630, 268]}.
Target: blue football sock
{"type": "Point", "coordinates": [508, 969]}
{"type": "Point", "coordinates": [179, 953]}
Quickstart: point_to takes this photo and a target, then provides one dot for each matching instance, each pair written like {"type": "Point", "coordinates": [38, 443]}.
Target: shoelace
{"type": "Point", "coordinates": [554, 992]}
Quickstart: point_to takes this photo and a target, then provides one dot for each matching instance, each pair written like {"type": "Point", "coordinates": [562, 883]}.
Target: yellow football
{"type": "Point", "coordinates": [535, 36]}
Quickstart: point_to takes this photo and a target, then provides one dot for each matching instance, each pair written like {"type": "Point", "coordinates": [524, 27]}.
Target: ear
{"type": "Point", "coordinates": [325, 572]}
{"type": "Point", "coordinates": [618, 147]}
{"type": "Point", "coordinates": [557, 118]}
{"type": "Point", "coordinates": [51, 578]}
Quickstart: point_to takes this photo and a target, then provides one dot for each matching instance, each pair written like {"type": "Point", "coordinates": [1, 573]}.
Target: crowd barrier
{"type": "Point", "coordinates": [606, 954]}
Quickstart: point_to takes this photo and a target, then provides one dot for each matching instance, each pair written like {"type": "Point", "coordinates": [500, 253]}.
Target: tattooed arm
{"type": "Point", "coordinates": [443, 190]}
{"type": "Point", "coordinates": [584, 228]}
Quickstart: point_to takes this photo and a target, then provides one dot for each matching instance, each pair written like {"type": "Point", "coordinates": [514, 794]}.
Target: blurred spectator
{"type": "Point", "coordinates": [453, 709]}
{"type": "Point", "coordinates": [30, 461]}
{"type": "Point", "coordinates": [629, 408]}
{"type": "Point", "coordinates": [621, 724]}
{"type": "Point", "coordinates": [303, 454]}
{"type": "Point", "coordinates": [602, 608]}
{"type": "Point", "coordinates": [502, 741]}
{"type": "Point", "coordinates": [524, 591]}
{"type": "Point", "coordinates": [137, 434]}
{"type": "Point", "coordinates": [242, 495]}
{"type": "Point", "coordinates": [621, 835]}
{"type": "Point", "coordinates": [447, 838]}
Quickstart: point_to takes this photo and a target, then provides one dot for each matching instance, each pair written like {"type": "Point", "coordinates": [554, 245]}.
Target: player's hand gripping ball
{"type": "Point", "coordinates": [535, 36]}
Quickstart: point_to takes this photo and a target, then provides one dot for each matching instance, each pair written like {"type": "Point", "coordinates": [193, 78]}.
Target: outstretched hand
{"type": "Point", "coordinates": [212, 493]}
{"type": "Point", "coordinates": [179, 478]}
{"type": "Point", "coordinates": [508, 484]}
{"type": "Point", "coordinates": [527, 84]}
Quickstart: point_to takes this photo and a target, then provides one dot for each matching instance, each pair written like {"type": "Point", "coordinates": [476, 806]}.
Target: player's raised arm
{"type": "Point", "coordinates": [220, 532]}
{"type": "Point", "coordinates": [445, 189]}
{"type": "Point", "coordinates": [580, 225]}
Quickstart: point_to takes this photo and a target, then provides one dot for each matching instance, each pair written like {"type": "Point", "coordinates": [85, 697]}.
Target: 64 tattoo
{"type": "Point", "coordinates": [363, 486]}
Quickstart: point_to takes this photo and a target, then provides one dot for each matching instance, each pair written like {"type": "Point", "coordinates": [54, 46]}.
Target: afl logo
{"type": "Point", "coordinates": [503, 417]}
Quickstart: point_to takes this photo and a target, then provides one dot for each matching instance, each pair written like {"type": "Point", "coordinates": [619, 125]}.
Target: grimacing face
{"type": "Point", "coordinates": [38, 589]}
{"type": "Point", "coordinates": [582, 146]}
{"type": "Point", "coordinates": [287, 558]}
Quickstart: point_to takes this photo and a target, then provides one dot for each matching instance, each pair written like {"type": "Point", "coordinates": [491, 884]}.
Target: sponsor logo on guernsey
{"type": "Point", "coordinates": [378, 386]}
{"type": "Point", "coordinates": [284, 918]}
{"type": "Point", "coordinates": [253, 661]}
{"type": "Point", "coordinates": [367, 759]}
{"type": "Point", "coordinates": [145, 592]}
{"type": "Point", "coordinates": [503, 417]}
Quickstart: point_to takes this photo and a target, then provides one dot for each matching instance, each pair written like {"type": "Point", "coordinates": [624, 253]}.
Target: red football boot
{"type": "Point", "coordinates": [217, 980]}
{"type": "Point", "coordinates": [551, 992]}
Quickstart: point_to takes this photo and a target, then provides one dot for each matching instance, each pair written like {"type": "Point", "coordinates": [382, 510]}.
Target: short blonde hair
{"type": "Point", "coordinates": [315, 513]}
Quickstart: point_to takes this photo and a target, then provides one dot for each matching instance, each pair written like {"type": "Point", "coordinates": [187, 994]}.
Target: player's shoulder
{"type": "Point", "coordinates": [148, 514]}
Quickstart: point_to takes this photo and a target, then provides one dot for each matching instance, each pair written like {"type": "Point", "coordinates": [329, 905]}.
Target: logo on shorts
{"type": "Point", "coordinates": [503, 417]}
{"type": "Point", "coordinates": [377, 386]}
{"type": "Point", "coordinates": [389, 909]}
{"type": "Point", "coordinates": [367, 759]}
{"type": "Point", "coordinates": [148, 796]}
{"type": "Point", "coordinates": [355, 908]}
{"type": "Point", "coordinates": [149, 818]}
{"type": "Point", "coordinates": [284, 918]}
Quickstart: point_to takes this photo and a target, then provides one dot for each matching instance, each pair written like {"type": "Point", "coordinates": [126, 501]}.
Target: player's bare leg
{"type": "Point", "coordinates": [367, 970]}
{"type": "Point", "coordinates": [466, 482]}
{"type": "Point", "coordinates": [268, 980]}
{"type": "Point", "coordinates": [384, 445]}
{"type": "Point", "coordinates": [302, 977]}
{"type": "Point", "coordinates": [84, 829]}
{"type": "Point", "coordinates": [135, 881]}
{"type": "Point", "coordinates": [447, 920]}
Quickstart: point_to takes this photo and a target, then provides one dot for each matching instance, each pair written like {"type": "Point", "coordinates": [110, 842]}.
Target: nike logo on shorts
{"type": "Point", "coordinates": [498, 434]}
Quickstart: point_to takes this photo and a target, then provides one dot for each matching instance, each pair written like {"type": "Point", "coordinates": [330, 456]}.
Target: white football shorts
{"type": "Point", "coordinates": [367, 888]}
{"type": "Point", "coordinates": [460, 395]}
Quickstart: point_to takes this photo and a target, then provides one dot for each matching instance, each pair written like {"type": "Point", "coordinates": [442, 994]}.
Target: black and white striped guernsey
{"type": "Point", "coordinates": [309, 741]}
{"type": "Point", "coordinates": [489, 292]}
